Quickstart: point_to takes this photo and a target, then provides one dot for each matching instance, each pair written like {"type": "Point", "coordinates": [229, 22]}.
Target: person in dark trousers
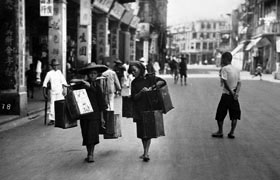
{"type": "Point", "coordinates": [91, 123]}
{"type": "Point", "coordinates": [149, 67]}
{"type": "Point", "coordinates": [229, 100]}
{"type": "Point", "coordinates": [31, 78]}
{"type": "Point", "coordinates": [139, 86]}
{"type": "Point", "coordinates": [258, 71]}
{"type": "Point", "coordinates": [183, 71]}
{"type": "Point", "coordinates": [175, 66]}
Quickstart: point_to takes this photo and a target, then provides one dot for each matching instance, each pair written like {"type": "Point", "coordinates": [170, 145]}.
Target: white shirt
{"type": "Point", "coordinates": [113, 83]}
{"type": "Point", "coordinates": [56, 79]}
{"type": "Point", "coordinates": [231, 75]}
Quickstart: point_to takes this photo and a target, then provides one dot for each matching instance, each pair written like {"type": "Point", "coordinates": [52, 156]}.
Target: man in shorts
{"type": "Point", "coordinates": [229, 100]}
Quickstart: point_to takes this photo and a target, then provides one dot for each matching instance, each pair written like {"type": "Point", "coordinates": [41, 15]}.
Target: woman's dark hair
{"type": "Point", "coordinates": [227, 57]}
{"type": "Point", "coordinates": [139, 65]}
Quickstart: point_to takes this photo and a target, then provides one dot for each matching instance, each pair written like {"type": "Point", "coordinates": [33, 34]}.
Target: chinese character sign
{"type": "Point", "coordinates": [83, 101]}
{"type": "Point", "coordinates": [102, 37]}
{"type": "Point", "coordinates": [85, 10]}
{"type": "Point", "coordinates": [46, 7]}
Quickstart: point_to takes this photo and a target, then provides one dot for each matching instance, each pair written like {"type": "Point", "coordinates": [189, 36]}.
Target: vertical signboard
{"type": "Point", "coordinates": [146, 50]}
{"type": "Point", "coordinates": [85, 12]}
{"type": "Point", "coordinates": [132, 47]}
{"type": "Point", "coordinates": [115, 42]}
{"type": "Point", "coordinates": [83, 44]}
{"type": "Point", "coordinates": [57, 35]}
{"type": "Point", "coordinates": [102, 38]}
{"type": "Point", "coordinates": [278, 44]}
{"type": "Point", "coordinates": [21, 47]}
{"type": "Point", "coordinates": [46, 7]}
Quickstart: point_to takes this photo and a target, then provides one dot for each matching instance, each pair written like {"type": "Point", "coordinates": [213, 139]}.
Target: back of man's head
{"type": "Point", "coordinates": [227, 57]}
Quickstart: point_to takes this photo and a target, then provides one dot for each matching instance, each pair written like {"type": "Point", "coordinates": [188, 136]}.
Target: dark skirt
{"type": "Point", "coordinates": [141, 130]}
{"type": "Point", "coordinates": [90, 131]}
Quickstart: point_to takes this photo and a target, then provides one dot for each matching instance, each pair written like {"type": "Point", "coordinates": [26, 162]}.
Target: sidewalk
{"type": "Point", "coordinates": [35, 109]}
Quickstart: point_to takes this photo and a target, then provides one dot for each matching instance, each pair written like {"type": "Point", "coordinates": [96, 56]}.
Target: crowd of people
{"type": "Point", "coordinates": [140, 77]}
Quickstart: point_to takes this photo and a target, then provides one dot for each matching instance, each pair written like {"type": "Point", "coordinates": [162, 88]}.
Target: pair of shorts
{"type": "Point", "coordinates": [228, 103]}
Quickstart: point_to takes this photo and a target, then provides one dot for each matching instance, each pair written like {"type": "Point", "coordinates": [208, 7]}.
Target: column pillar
{"type": "Point", "coordinates": [13, 96]}
{"type": "Point", "coordinates": [57, 34]}
{"type": "Point", "coordinates": [84, 34]}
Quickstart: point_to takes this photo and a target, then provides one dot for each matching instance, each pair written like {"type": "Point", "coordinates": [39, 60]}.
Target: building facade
{"type": "Point", "coordinates": [75, 32]}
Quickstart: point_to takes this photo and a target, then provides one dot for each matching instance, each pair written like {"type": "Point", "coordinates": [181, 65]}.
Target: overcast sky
{"type": "Point", "coordinates": [188, 10]}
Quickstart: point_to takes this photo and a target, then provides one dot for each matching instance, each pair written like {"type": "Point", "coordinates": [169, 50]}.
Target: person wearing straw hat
{"type": "Point", "coordinates": [57, 88]}
{"type": "Point", "coordinates": [90, 123]}
{"type": "Point", "coordinates": [139, 86]}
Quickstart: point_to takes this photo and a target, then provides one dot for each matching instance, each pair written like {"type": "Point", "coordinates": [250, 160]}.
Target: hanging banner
{"type": "Point", "coordinates": [103, 5]}
{"type": "Point", "coordinates": [143, 29]}
{"type": "Point", "coordinates": [46, 7]}
{"type": "Point", "coordinates": [134, 22]}
{"type": "Point", "coordinates": [127, 17]}
{"type": "Point", "coordinates": [146, 50]}
{"type": "Point", "coordinates": [85, 12]}
{"type": "Point", "coordinates": [117, 10]}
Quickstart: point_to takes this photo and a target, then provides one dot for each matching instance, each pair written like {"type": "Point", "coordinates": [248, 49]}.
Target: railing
{"type": "Point", "coordinates": [271, 28]}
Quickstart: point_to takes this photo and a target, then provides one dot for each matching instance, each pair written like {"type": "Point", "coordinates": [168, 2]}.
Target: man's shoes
{"type": "Point", "coordinates": [89, 159]}
{"type": "Point", "coordinates": [51, 123]}
{"type": "Point", "coordinates": [146, 158]}
{"type": "Point", "coordinates": [230, 136]}
{"type": "Point", "coordinates": [217, 135]}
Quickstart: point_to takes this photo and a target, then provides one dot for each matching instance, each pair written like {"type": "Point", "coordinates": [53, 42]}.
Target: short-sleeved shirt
{"type": "Point", "coordinates": [231, 75]}
{"type": "Point", "coordinates": [56, 79]}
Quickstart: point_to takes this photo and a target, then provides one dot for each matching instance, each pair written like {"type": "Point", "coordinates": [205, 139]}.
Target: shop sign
{"type": "Point", "coordinates": [102, 29]}
{"type": "Point", "coordinates": [117, 10]}
{"type": "Point", "coordinates": [103, 5]}
{"type": "Point", "coordinates": [114, 42]}
{"type": "Point", "coordinates": [55, 37]}
{"type": "Point", "coordinates": [132, 47]}
{"type": "Point", "coordinates": [146, 50]}
{"type": "Point", "coordinates": [278, 44]}
{"type": "Point", "coordinates": [46, 7]}
{"type": "Point", "coordinates": [85, 12]}
{"type": "Point", "coordinates": [127, 17]}
{"type": "Point", "coordinates": [154, 38]}
{"type": "Point", "coordinates": [143, 29]}
{"type": "Point", "coordinates": [134, 22]}
{"type": "Point", "coordinates": [82, 44]}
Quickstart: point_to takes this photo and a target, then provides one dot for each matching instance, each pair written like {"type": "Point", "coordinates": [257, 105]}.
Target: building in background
{"type": "Point", "coordinates": [151, 31]}
{"type": "Point", "coordinates": [200, 41]}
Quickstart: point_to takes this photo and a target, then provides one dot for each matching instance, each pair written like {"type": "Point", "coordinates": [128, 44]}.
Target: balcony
{"type": "Point", "coordinates": [272, 28]}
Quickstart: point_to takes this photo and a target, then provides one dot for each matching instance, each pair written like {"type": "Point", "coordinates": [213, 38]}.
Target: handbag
{"type": "Point", "coordinates": [112, 124]}
{"type": "Point", "coordinates": [127, 107]}
{"type": "Point", "coordinates": [62, 116]}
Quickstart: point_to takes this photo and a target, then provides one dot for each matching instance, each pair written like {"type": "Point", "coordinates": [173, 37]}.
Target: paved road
{"type": "Point", "coordinates": [37, 152]}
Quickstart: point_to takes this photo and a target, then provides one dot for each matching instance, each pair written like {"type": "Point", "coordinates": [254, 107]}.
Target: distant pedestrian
{"type": "Point", "coordinates": [58, 84]}
{"type": "Point", "coordinates": [183, 71]}
{"type": "Point", "coordinates": [139, 86]}
{"type": "Point", "coordinates": [90, 123]}
{"type": "Point", "coordinates": [113, 86]}
{"type": "Point", "coordinates": [258, 71]}
{"type": "Point", "coordinates": [30, 78]}
{"type": "Point", "coordinates": [150, 67]}
{"type": "Point", "coordinates": [175, 66]}
{"type": "Point", "coordinates": [229, 99]}
{"type": "Point", "coordinates": [119, 69]}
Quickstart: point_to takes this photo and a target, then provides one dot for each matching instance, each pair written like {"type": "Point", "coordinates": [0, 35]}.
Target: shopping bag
{"type": "Point", "coordinates": [153, 126]}
{"type": "Point", "coordinates": [159, 99]}
{"type": "Point", "coordinates": [62, 117]}
{"type": "Point", "coordinates": [127, 107]}
{"type": "Point", "coordinates": [165, 99]}
{"type": "Point", "coordinates": [78, 103]}
{"type": "Point", "coordinates": [112, 124]}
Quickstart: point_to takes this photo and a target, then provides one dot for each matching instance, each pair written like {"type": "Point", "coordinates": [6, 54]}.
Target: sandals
{"type": "Point", "coordinates": [89, 159]}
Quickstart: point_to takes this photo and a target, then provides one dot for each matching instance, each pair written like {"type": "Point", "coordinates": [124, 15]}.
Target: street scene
{"type": "Point", "coordinates": [140, 90]}
{"type": "Point", "coordinates": [36, 151]}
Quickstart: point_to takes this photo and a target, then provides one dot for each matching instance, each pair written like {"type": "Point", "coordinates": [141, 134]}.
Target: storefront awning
{"type": "Point", "coordinates": [259, 42]}
{"type": "Point", "coordinates": [237, 49]}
